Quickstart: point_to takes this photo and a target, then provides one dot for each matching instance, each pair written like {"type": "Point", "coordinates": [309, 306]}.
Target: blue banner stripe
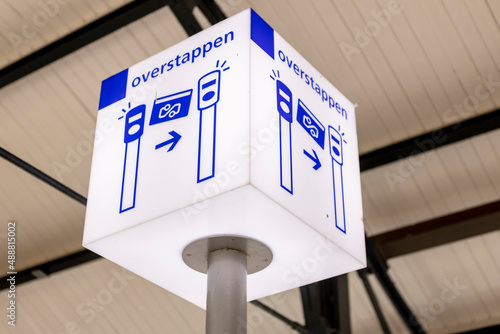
{"type": "Point", "coordinates": [262, 33]}
{"type": "Point", "coordinates": [113, 89]}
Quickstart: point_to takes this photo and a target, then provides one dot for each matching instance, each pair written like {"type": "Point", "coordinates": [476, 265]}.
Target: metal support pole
{"type": "Point", "coordinates": [227, 292]}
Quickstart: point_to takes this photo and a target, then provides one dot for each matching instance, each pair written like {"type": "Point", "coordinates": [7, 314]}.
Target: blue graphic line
{"type": "Point", "coordinates": [113, 89]}
{"type": "Point", "coordinates": [208, 84]}
{"type": "Point", "coordinates": [314, 158]}
{"type": "Point", "coordinates": [208, 96]}
{"type": "Point", "coordinates": [284, 105]}
{"type": "Point", "coordinates": [336, 152]}
{"type": "Point", "coordinates": [338, 197]}
{"type": "Point", "coordinates": [134, 128]}
{"type": "Point", "coordinates": [286, 172]}
{"type": "Point", "coordinates": [262, 33]}
{"type": "Point", "coordinates": [174, 140]}
{"type": "Point", "coordinates": [206, 151]}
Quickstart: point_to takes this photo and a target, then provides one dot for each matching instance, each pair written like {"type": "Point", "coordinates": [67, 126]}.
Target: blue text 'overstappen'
{"type": "Point", "coordinates": [188, 57]}
{"type": "Point", "coordinates": [309, 80]}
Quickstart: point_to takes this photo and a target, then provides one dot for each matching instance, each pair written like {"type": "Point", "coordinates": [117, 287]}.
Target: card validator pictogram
{"type": "Point", "coordinates": [336, 152]}
{"type": "Point", "coordinates": [134, 129]}
{"type": "Point", "coordinates": [208, 96]}
{"type": "Point", "coordinates": [284, 103]}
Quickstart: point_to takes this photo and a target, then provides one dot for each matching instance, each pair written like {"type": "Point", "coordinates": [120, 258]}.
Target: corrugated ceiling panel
{"type": "Point", "coordinates": [450, 179]}
{"type": "Point", "coordinates": [47, 136]}
{"type": "Point", "coordinates": [487, 25]}
{"type": "Point", "coordinates": [49, 224]}
{"type": "Point", "coordinates": [392, 318]}
{"type": "Point", "coordinates": [376, 113]}
{"type": "Point", "coordinates": [363, 318]}
{"type": "Point", "coordinates": [474, 40]}
{"type": "Point", "coordinates": [454, 287]}
{"type": "Point", "coordinates": [335, 66]}
{"type": "Point", "coordinates": [439, 62]}
{"type": "Point", "coordinates": [393, 62]}
{"type": "Point", "coordinates": [418, 67]}
{"type": "Point", "coordinates": [466, 66]}
{"type": "Point", "coordinates": [494, 7]}
{"type": "Point", "coordinates": [29, 25]}
{"type": "Point", "coordinates": [288, 303]}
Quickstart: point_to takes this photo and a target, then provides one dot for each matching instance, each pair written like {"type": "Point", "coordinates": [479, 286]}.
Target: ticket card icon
{"type": "Point", "coordinates": [311, 124]}
{"type": "Point", "coordinates": [171, 107]}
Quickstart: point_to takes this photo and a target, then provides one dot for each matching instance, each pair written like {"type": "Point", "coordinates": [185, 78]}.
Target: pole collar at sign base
{"type": "Point", "coordinates": [195, 255]}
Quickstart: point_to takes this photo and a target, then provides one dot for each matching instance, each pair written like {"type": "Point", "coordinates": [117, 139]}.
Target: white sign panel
{"type": "Point", "coordinates": [230, 132]}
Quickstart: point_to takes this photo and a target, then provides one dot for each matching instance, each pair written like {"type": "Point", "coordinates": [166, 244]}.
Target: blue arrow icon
{"type": "Point", "coordinates": [315, 159]}
{"type": "Point", "coordinates": [174, 140]}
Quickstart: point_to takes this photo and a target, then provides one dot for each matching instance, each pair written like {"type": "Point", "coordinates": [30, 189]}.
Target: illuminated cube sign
{"type": "Point", "coordinates": [230, 132]}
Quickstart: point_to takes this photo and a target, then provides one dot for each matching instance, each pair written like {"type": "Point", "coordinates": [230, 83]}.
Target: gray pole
{"type": "Point", "coordinates": [227, 260]}
{"type": "Point", "coordinates": [227, 292]}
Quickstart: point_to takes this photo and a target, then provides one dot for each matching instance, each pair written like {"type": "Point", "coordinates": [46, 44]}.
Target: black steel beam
{"type": "Point", "coordinates": [326, 306]}
{"type": "Point", "coordinates": [495, 329]}
{"type": "Point", "coordinates": [211, 10]}
{"type": "Point", "coordinates": [431, 140]}
{"type": "Point", "coordinates": [295, 325]}
{"type": "Point", "coordinates": [51, 267]}
{"type": "Point", "coordinates": [42, 176]}
{"type": "Point", "coordinates": [183, 10]}
{"type": "Point", "coordinates": [379, 268]}
{"type": "Point", "coordinates": [373, 299]}
{"type": "Point", "coordinates": [79, 38]}
{"type": "Point", "coordinates": [439, 231]}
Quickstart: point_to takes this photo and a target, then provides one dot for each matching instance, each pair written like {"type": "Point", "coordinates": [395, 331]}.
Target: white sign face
{"type": "Point", "coordinates": [230, 132]}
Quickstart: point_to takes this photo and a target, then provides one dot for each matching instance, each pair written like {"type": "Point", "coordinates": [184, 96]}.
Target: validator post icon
{"type": "Point", "coordinates": [134, 129]}
{"type": "Point", "coordinates": [336, 152]}
{"type": "Point", "coordinates": [284, 102]}
{"type": "Point", "coordinates": [208, 96]}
